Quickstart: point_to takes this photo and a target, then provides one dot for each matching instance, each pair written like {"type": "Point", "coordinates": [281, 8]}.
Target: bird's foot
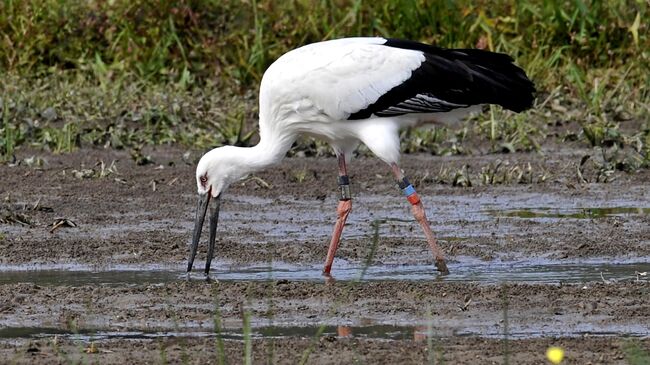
{"type": "Point", "coordinates": [441, 265]}
{"type": "Point", "coordinates": [210, 279]}
{"type": "Point", "coordinates": [329, 279]}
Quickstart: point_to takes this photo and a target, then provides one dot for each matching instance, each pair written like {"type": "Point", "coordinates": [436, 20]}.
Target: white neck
{"type": "Point", "coordinates": [270, 150]}
{"type": "Point", "coordinates": [266, 153]}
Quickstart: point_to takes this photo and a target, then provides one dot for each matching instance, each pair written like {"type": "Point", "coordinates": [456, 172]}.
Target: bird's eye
{"type": "Point", "coordinates": [203, 179]}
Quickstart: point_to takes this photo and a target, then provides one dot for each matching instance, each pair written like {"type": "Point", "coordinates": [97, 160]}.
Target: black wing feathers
{"type": "Point", "coordinates": [454, 78]}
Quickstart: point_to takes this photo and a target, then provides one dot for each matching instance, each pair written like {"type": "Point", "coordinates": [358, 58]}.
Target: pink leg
{"type": "Point", "coordinates": [342, 212]}
{"type": "Point", "coordinates": [418, 212]}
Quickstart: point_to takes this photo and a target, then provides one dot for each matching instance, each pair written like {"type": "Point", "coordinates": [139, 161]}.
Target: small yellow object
{"type": "Point", "coordinates": [555, 354]}
{"type": "Point", "coordinates": [92, 349]}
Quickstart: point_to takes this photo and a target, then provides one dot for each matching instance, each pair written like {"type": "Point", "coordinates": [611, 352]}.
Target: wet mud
{"type": "Point", "coordinates": [94, 248]}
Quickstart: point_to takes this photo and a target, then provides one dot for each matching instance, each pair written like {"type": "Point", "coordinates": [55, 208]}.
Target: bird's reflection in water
{"type": "Point", "coordinates": [344, 331]}
{"type": "Point", "coordinates": [420, 333]}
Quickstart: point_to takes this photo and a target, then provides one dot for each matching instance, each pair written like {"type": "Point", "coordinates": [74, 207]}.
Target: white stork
{"type": "Point", "coordinates": [353, 90]}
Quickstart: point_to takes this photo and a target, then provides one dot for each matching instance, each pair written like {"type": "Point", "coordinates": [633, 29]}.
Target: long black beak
{"type": "Point", "coordinates": [201, 210]}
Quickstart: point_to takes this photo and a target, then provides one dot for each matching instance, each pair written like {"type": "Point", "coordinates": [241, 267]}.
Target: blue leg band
{"type": "Point", "coordinates": [409, 190]}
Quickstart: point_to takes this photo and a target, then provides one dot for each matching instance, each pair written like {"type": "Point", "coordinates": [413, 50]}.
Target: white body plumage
{"type": "Point", "coordinates": [312, 91]}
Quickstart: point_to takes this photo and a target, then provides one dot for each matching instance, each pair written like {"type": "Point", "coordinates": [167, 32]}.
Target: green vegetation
{"type": "Point", "coordinates": [127, 73]}
{"type": "Point", "coordinates": [635, 354]}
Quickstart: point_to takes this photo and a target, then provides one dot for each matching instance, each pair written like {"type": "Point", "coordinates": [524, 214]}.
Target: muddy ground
{"type": "Point", "coordinates": [131, 218]}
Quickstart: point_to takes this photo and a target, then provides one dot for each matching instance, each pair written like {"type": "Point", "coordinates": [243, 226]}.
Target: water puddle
{"type": "Point", "coordinates": [575, 213]}
{"type": "Point", "coordinates": [380, 331]}
{"type": "Point", "coordinates": [476, 272]}
{"type": "Point", "coordinates": [77, 277]}
{"type": "Point", "coordinates": [466, 270]}
{"type": "Point", "coordinates": [393, 332]}
{"type": "Point", "coordinates": [290, 220]}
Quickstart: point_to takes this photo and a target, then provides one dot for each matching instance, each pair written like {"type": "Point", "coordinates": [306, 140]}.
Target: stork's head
{"type": "Point", "coordinates": [216, 170]}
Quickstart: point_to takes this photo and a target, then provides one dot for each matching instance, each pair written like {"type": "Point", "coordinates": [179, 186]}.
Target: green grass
{"type": "Point", "coordinates": [124, 74]}
{"type": "Point", "coordinates": [248, 342]}
{"type": "Point", "coordinates": [635, 354]}
{"type": "Point", "coordinates": [168, 39]}
{"type": "Point", "coordinates": [217, 323]}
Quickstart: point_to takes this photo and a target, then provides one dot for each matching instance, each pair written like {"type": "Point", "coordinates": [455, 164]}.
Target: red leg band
{"type": "Point", "coordinates": [413, 198]}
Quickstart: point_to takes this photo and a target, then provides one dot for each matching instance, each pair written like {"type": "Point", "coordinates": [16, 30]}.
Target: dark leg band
{"type": "Point", "coordinates": [403, 183]}
{"type": "Point", "coordinates": [344, 186]}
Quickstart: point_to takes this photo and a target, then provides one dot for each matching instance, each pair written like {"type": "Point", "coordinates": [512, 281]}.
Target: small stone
{"type": "Point", "coordinates": [83, 173]}
{"type": "Point", "coordinates": [136, 117]}
{"type": "Point", "coordinates": [49, 114]}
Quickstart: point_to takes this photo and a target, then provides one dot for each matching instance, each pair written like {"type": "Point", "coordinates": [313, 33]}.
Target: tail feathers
{"type": "Point", "coordinates": [493, 78]}
{"type": "Point", "coordinates": [470, 76]}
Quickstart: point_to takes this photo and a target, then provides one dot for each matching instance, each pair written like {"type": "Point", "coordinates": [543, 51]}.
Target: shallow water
{"type": "Point", "coordinates": [309, 219]}
{"type": "Point", "coordinates": [576, 213]}
{"type": "Point", "coordinates": [377, 331]}
{"type": "Point", "coordinates": [466, 270]}
{"type": "Point", "coordinates": [374, 331]}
